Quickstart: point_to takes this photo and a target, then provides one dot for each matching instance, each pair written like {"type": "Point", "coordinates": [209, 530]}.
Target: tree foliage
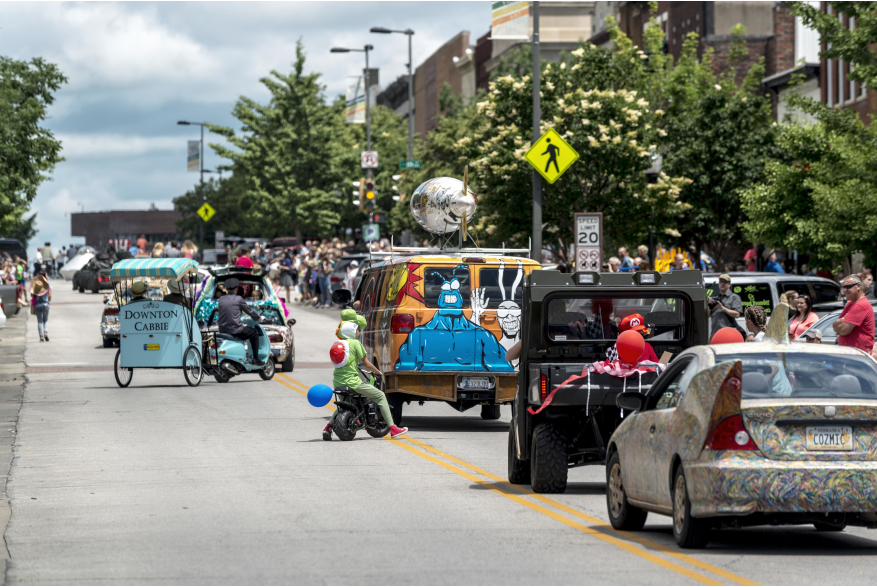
{"type": "Point", "coordinates": [228, 197]}
{"type": "Point", "coordinates": [289, 154]}
{"type": "Point", "coordinates": [28, 152]}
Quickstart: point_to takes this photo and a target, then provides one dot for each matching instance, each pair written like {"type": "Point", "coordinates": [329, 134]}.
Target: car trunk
{"type": "Point", "coordinates": [813, 429]}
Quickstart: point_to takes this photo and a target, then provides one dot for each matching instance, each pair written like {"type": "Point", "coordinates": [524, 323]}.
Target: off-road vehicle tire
{"type": "Point", "coordinates": [622, 515]}
{"type": "Point", "coordinates": [490, 412]}
{"type": "Point", "coordinates": [341, 427]}
{"type": "Point", "coordinates": [689, 532]}
{"type": "Point", "coordinates": [548, 460]}
{"type": "Point", "coordinates": [519, 471]}
{"type": "Point", "coordinates": [396, 401]}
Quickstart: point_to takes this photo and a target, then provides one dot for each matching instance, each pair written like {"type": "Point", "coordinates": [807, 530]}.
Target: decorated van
{"type": "Point", "coordinates": [439, 326]}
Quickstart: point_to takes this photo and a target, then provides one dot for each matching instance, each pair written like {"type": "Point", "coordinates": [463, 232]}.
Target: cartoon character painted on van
{"type": "Point", "coordinates": [451, 341]}
{"type": "Point", "coordinates": [508, 313]}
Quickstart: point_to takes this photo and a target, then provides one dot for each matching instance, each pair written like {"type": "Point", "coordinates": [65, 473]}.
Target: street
{"type": "Point", "coordinates": [162, 483]}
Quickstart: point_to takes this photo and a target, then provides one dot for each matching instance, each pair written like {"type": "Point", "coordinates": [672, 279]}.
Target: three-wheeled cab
{"type": "Point", "coordinates": [570, 321]}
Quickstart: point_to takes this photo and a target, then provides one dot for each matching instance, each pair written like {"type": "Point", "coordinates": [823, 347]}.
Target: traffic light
{"type": "Point", "coordinates": [369, 194]}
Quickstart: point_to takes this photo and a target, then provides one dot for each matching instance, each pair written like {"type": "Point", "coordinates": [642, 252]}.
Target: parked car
{"type": "Point", "coordinates": [257, 292]}
{"type": "Point", "coordinates": [749, 434]}
{"type": "Point", "coordinates": [348, 271]}
{"type": "Point", "coordinates": [829, 336]}
{"type": "Point", "coordinates": [765, 289]}
{"type": "Point", "coordinates": [14, 247]}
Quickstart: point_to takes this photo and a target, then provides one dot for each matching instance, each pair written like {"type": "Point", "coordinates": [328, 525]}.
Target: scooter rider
{"type": "Point", "coordinates": [346, 355]}
{"type": "Point", "coordinates": [229, 308]}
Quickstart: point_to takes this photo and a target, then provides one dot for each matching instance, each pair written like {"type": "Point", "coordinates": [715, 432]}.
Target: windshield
{"type": "Point", "coordinates": [268, 312]}
{"type": "Point", "coordinates": [807, 375]}
{"type": "Point", "coordinates": [580, 318]}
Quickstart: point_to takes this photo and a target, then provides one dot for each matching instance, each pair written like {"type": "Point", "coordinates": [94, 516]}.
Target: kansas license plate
{"type": "Point", "coordinates": [150, 347]}
{"type": "Point", "coordinates": [829, 438]}
{"type": "Point", "coordinates": [475, 382]}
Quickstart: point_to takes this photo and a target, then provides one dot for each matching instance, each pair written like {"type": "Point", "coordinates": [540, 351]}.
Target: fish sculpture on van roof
{"type": "Point", "coordinates": [450, 341]}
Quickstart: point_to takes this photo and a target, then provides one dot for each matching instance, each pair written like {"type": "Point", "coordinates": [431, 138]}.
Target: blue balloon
{"type": "Point", "coordinates": [319, 395]}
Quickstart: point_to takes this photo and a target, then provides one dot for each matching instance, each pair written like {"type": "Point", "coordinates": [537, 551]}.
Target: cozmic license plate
{"type": "Point", "coordinates": [829, 438]}
{"type": "Point", "coordinates": [475, 383]}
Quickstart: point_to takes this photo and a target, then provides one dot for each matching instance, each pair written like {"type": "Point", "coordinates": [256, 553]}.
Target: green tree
{"type": "Point", "coordinates": [228, 197]}
{"type": "Point", "coordinates": [720, 136]}
{"type": "Point", "coordinates": [289, 154]}
{"type": "Point", "coordinates": [28, 152]}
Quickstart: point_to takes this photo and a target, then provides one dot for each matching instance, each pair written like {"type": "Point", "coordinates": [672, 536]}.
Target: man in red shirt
{"type": "Point", "coordinates": [855, 327]}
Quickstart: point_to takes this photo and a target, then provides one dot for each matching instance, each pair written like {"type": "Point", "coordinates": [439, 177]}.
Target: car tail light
{"type": "Point", "coordinates": [543, 386]}
{"type": "Point", "coordinates": [275, 337]}
{"type": "Point", "coordinates": [402, 324]}
{"type": "Point", "coordinates": [334, 279]}
{"type": "Point", "coordinates": [730, 434]}
{"type": "Point", "coordinates": [110, 311]}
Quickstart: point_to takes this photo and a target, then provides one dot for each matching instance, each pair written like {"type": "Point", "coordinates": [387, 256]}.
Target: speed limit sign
{"type": "Point", "coordinates": [589, 241]}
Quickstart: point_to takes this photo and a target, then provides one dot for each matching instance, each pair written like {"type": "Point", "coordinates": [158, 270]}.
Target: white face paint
{"type": "Point", "coordinates": [509, 316]}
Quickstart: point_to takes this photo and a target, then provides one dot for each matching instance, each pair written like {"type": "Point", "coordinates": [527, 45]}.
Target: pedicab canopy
{"type": "Point", "coordinates": [156, 268]}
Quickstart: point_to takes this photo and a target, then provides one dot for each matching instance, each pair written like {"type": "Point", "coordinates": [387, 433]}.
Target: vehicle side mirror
{"type": "Point", "coordinates": [341, 297]}
{"type": "Point", "coordinates": [630, 400]}
{"type": "Point", "coordinates": [291, 321]}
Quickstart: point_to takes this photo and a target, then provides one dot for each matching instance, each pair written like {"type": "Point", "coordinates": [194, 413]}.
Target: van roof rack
{"type": "Point", "coordinates": [411, 251]}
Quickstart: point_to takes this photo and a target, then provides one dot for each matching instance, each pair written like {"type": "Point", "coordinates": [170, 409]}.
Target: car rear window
{"type": "Point", "coordinates": [807, 375]}
{"type": "Point", "coordinates": [584, 318]}
{"type": "Point", "coordinates": [436, 277]}
{"type": "Point", "coordinates": [512, 285]}
{"type": "Point", "coordinates": [751, 294]}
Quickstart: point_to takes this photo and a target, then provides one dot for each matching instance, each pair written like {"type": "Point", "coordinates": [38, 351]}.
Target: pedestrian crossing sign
{"type": "Point", "coordinates": [551, 156]}
{"type": "Point", "coordinates": [206, 212]}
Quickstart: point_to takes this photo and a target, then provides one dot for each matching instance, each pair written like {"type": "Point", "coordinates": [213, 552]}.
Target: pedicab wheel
{"type": "Point", "coordinates": [689, 532]}
{"type": "Point", "coordinates": [341, 427]}
{"type": "Point", "coordinates": [123, 375]}
{"type": "Point", "coordinates": [622, 514]}
{"type": "Point", "coordinates": [267, 372]}
{"type": "Point", "coordinates": [192, 367]}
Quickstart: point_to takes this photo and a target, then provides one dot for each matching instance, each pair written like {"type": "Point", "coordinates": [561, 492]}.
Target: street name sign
{"type": "Point", "coordinates": [589, 241]}
{"type": "Point", "coordinates": [551, 156]}
{"type": "Point", "coordinates": [409, 165]}
{"type": "Point", "coordinates": [369, 159]}
{"type": "Point", "coordinates": [206, 212]}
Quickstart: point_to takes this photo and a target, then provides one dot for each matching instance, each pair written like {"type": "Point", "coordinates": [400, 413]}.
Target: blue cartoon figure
{"type": "Point", "coordinates": [450, 341]}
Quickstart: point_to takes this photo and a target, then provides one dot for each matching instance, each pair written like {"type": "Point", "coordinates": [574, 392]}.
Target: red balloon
{"type": "Point", "coordinates": [630, 346]}
{"type": "Point", "coordinates": [727, 335]}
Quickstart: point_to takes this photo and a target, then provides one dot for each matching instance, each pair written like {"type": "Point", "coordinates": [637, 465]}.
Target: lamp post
{"type": "Point", "coordinates": [368, 122]}
{"type": "Point", "coordinates": [202, 170]}
{"type": "Point", "coordinates": [652, 174]}
{"type": "Point", "coordinates": [410, 33]}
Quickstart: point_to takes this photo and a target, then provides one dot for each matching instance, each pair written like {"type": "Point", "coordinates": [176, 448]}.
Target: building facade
{"type": "Point", "coordinates": [100, 227]}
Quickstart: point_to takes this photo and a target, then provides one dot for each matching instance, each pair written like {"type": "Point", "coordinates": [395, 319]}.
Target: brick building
{"type": "Point", "coordinates": [98, 227]}
{"type": "Point", "coordinates": [837, 90]}
{"type": "Point", "coordinates": [438, 69]}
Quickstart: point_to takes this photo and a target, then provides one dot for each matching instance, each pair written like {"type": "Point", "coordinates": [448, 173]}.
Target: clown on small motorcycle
{"type": "Point", "coordinates": [346, 355]}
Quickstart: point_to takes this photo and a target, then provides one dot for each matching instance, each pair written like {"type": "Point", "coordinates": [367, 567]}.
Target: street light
{"type": "Point", "coordinates": [368, 127]}
{"type": "Point", "coordinates": [385, 31]}
{"type": "Point", "coordinates": [202, 170]}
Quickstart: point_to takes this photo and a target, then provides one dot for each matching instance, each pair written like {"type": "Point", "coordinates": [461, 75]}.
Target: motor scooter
{"type": "Point", "coordinates": [230, 356]}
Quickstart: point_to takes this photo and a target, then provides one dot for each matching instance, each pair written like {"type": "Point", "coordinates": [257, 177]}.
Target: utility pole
{"type": "Point", "coordinates": [201, 225]}
{"type": "Point", "coordinates": [537, 120]}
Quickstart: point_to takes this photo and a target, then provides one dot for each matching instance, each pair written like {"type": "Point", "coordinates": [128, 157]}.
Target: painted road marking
{"type": "Point", "coordinates": [596, 528]}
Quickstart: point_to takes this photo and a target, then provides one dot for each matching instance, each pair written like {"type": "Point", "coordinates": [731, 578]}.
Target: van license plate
{"type": "Point", "coordinates": [475, 382]}
{"type": "Point", "coordinates": [829, 438]}
{"type": "Point", "coordinates": [150, 347]}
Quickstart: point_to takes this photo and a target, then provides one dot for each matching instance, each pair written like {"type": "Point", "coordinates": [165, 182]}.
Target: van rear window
{"type": "Point", "coordinates": [435, 278]}
{"type": "Point", "coordinates": [512, 285]}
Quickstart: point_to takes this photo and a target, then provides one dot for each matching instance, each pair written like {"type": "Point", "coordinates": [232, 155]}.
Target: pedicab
{"type": "Point", "coordinates": [156, 334]}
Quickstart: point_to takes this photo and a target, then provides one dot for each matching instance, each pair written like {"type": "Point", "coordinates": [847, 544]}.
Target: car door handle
{"type": "Point", "coordinates": [652, 428]}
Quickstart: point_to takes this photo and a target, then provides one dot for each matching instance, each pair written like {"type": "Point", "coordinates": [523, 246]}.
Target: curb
{"type": "Point", "coordinates": [12, 382]}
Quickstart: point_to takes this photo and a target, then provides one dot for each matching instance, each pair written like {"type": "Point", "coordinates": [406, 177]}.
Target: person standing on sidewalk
{"type": "Point", "coordinates": [41, 291]}
{"type": "Point", "coordinates": [855, 326]}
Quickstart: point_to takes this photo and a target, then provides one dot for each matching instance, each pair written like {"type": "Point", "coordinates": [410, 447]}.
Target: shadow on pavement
{"type": "Point", "coordinates": [453, 424]}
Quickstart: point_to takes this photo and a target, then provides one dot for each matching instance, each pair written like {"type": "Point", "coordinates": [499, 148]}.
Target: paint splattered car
{"type": "Point", "coordinates": [257, 292]}
{"type": "Point", "coordinates": [748, 434]}
{"type": "Point", "coordinates": [439, 327]}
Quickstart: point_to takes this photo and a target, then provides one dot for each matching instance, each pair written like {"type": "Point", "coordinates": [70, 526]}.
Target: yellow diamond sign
{"type": "Point", "coordinates": [551, 155]}
{"type": "Point", "coordinates": [206, 212]}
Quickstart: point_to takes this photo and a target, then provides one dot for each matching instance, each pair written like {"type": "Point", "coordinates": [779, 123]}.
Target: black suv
{"type": "Point", "coordinates": [569, 322]}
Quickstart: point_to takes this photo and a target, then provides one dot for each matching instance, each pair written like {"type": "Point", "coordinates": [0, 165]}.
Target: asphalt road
{"type": "Point", "coordinates": [161, 483]}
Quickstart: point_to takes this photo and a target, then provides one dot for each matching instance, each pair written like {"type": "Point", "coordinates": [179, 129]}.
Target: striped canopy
{"type": "Point", "coordinates": [156, 268]}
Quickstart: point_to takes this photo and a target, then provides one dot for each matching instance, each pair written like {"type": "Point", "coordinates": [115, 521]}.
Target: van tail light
{"type": "Point", "coordinates": [543, 386]}
{"type": "Point", "coordinates": [730, 434]}
{"type": "Point", "coordinates": [402, 324]}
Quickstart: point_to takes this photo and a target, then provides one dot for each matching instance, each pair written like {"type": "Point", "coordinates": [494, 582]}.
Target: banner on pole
{"type": "Point", "coordinates": [193, 156]}
{"type": "Point", "coordinates": [510, 20]}
{"type": "Point", "coordinates": [355, 99]}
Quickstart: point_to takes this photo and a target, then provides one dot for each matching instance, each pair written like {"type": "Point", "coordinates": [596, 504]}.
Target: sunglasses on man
{"type": "Point", "coordinates": [850, 286]}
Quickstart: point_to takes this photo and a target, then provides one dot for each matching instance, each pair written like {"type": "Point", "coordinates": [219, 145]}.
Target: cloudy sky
{"type": "Point", "coordinates": [134, 69]}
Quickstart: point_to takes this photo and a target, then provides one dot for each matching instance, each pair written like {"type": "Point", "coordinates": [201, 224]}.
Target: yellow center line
{"type": "Point", "coordinates": [622, 544]}
{"type": "Point", "coordinates": [599, 524]}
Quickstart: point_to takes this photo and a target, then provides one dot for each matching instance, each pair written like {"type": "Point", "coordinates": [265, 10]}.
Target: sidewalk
{"type": "Point", "coordinates": [12, 348]}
